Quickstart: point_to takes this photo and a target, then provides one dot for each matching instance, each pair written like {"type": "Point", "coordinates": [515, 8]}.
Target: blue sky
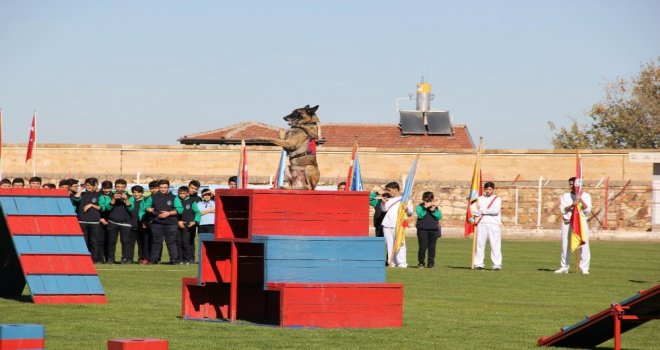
{"type": "Point", "coordinates": [149, 72]}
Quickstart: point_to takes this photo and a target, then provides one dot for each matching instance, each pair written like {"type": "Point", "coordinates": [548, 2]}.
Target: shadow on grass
{"type": "Point", "coordinates": [20, 298]}
{"type": "Point", "coordinates": [545, 270]}
{"type": "Point", "coordinates": [637, 281]}
{"type": "Point", "coordinates": [459, 267]}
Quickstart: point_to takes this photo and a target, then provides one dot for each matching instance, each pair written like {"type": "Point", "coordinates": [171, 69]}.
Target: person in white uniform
{"type": "Point", "coordinates": [488, 212]}
{"type": "Point", "coordinates": [567, 202]}
{"type": "Point", "coordinates": [390, 202]}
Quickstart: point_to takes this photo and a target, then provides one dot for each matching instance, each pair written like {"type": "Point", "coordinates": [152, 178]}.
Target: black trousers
{"type": "Point", "coordinates": [427, 240]}
{"type": "Point", "coordinates": [186, 243]}
{"type": "Point", "coordinates": [104, 233]}
{"type": "Point", "coordinates": [127, 241]}
{"type": "Point", "coordinates": [94, 240]}
{"type": "Point", "coordinates": [379, 231]}
{"type": "Point", "coordinates": [143, 243]}
{"type": "Point", "coordinates": [168, 233]}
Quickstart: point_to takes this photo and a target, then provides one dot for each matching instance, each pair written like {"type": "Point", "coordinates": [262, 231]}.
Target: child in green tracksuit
{"type": "Point", "coordinates": [428, 229]}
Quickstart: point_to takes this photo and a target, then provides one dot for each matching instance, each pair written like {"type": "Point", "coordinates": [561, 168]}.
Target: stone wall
{"type": "Point", "coordinates": [629, 209]}
{"type": "Point", "coordinates": [446, 173]}
{"type": "Point", "coordinates": [218, 162]}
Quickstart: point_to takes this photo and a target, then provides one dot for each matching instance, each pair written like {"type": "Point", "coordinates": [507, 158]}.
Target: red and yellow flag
{"type": "Point", "coordinates": [475, 191]}
{"type": "Point", "coordinates": [578, 220]}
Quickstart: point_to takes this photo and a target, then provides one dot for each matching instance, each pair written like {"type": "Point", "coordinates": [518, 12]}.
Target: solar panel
{"type": "Point", "coordinates": [439, 123]}
{"type": "Point", "coordinates": [412, 122]}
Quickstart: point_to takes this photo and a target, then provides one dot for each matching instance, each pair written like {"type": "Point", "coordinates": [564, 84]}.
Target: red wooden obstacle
{"type": "Point", "coordinates": [295, 259]}
{"type": "Point", "coordinates": [138, 344]}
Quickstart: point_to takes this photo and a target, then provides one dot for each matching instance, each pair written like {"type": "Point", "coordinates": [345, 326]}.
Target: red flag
{"type": "Point", "coordinates": [349, 178]}
{"type": "Point", "coordinates": [33, 138]}
{"type": "Point", "coordinates": [242, 168]}
{"type": "Point", "coordinates": [475, 191]}
{"type": "Point", "coordinates": [578, 222]}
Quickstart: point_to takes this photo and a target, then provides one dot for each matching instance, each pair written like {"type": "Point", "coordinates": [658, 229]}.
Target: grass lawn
{"type": "Point", "coordinates": [448, 307]}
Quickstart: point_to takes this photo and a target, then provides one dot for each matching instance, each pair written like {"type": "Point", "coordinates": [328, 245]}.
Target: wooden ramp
{"type": "Point", "coordinates": [42, 245]}
{"type": "Point", "coordinates": [609, 323]}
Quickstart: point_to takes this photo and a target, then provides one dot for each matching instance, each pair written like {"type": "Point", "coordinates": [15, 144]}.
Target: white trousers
{"type": "Point", "coordinates": [494, 237]}
{"type": "Point", "coordinates": [585, 253]}
{"type": "Point", "coordinates": [399, 259]}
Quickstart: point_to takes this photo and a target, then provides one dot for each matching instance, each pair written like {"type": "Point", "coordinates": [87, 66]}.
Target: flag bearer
{"type": "Point", "coordinates": [488, 209]}
{"type": "Point", "coordinates": [391, 200]}
{"type": "Point", "coordinates": [567, 202]}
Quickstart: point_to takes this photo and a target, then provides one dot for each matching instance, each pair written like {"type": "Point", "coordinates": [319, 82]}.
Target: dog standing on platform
{"type": "Point", "coordinates": [299, 142]}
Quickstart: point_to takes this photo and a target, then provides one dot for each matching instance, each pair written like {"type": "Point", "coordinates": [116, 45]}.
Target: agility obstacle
{"type": "Point", "coordinates": [138, 344]}
{"type": "Point", "coordinates": [293, 259]}
{"type": "Point", "coordinates": [609, 323]}
{"type": "Point", "coordinates": [21, 336]}
{"type": "Point", "coordinates": [41, 244]}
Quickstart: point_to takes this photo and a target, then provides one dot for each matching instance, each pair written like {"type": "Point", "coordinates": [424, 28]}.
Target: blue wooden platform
{"type": "Point", "coordinates": [322, 259]}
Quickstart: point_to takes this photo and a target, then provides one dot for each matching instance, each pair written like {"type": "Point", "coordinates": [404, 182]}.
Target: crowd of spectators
{"type": "Point", "coordinates": [140, 218]}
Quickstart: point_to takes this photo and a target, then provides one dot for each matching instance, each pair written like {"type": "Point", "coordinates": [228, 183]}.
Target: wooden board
{"type": "Point", "coordinates": [243, 213]}
{"type": "Point", "coordinates": [353, 305]}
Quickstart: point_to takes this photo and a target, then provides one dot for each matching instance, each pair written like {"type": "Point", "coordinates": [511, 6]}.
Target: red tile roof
{"type": "Point", "coordinates": [339, 135]}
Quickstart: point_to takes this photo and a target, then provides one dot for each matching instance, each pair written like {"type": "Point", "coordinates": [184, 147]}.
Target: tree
{"type": "Point", "coordinates": [629, 117]}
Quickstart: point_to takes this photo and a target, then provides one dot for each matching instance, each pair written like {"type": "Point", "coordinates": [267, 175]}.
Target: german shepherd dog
{"type": "Point", "coordinates": [299, 142]}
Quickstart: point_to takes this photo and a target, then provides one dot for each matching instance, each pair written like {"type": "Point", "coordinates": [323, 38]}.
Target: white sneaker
{"type": "Point", "coordinates": [584, 272]}
{"type": "Point", "coordinates": [402, 266]}
{"type": "Point", "coordinates": [562, 270]}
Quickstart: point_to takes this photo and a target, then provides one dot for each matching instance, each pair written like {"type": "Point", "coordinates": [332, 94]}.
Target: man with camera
{"type": "Point", "coordinates": [119, 223]}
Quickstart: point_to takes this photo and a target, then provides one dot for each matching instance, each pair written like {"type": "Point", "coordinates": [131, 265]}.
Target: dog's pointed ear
{"type": "Point", "coordinates": [306, 107]}
{"type": "Point", "coordinates": [312, 111]}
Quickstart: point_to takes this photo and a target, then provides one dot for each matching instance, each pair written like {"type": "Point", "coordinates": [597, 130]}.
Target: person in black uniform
{"type": "Point", "coordinates": [138, 228]}
{"type": "Point", "coordinates": [88, 210]}
{"type": "Point", "coordinates": [119, 223]}
{"type": "Point", "coordinates": [428, 229]}
{"type": "Point", "coordinates": [379, 214]}
{"type": "Point", "coordinates": [188, 222]}
{"type": "Point", "coordinates": [166, 207]}
{"type": "Point", "coordinates": [104, 201]}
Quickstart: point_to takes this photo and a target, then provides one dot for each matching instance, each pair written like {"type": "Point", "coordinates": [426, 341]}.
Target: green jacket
{"type": "Point", "coordinates": [421, 212]}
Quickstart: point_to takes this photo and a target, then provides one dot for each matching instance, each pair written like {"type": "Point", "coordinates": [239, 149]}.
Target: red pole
{"type": "Point", "coordinates": [233, 294]}
{"type": "Point", "coordinates": [617, 332]}
{"type": "Point", "coordinates": [617, 312]}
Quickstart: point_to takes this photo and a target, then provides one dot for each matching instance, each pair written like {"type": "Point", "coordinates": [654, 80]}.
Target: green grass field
{"type": "Point", "coordinates": [448, 307]}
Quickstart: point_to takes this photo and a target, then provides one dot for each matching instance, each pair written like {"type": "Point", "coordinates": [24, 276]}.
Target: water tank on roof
{"type": "Point", "coordinates": [424, 120]}
{"type": "Point", "coordinates": [423, 96]}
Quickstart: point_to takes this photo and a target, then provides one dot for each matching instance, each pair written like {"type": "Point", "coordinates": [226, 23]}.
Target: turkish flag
{"type": "Point", "coordinates": [33, 138]}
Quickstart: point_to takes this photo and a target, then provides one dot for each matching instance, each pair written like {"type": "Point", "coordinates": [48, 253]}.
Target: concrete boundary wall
{"type": "Point", "coordinates": [378, 165]}
{"type": "Point", "coordinates": [446, 173]}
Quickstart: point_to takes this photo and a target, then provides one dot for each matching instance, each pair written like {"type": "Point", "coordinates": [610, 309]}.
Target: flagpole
{"type": "Point", "coordinates": [476, 227]}
{"type": "Point", "coordinates": [577, 197]}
